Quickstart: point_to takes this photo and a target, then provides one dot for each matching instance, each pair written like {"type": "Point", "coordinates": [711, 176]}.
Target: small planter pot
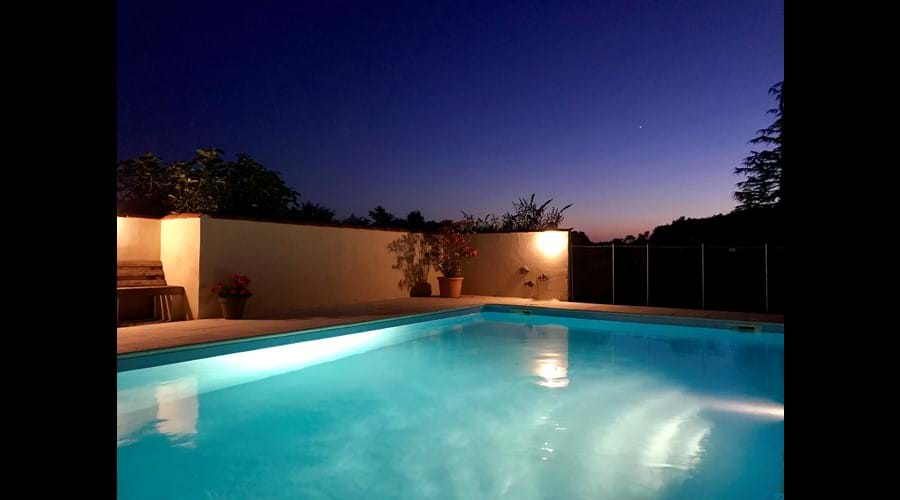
{"type": "Point", "coordinates": [232, 307]}
{"type": "Point", "coordinates": [420, 290]}
{"type": "Point", "coordinates": [450, 287]}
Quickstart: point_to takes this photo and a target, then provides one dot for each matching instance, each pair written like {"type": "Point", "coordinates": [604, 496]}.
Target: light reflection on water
{"type": "Point", "coordinates": [548, 349]}
{"type": "Point", "coordinates": [173, 413]}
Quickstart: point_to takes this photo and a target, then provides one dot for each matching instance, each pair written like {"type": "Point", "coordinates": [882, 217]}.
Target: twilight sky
{"type": "Point", "coordinates": [635, 111]}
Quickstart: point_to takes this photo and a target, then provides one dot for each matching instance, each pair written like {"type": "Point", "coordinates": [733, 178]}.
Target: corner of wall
{"type": "Point", "coordinates": [207, 307]}
{"type": "Point", "coordinates": [180, 255]}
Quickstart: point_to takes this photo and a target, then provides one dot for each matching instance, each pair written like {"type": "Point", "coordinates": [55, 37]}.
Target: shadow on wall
{"type": "Point", "coordinates": [414, 262]}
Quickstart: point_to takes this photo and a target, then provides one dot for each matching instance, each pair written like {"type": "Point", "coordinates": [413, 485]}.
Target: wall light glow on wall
{"type": "Point", "coordinates": [552, 243]}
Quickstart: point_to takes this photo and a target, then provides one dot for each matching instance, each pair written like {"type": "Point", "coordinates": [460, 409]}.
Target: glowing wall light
{"type": "Point", "coordinates": [552, 243]}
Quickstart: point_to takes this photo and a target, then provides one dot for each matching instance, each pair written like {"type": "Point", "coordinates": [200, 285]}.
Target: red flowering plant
{"type": "Point", "coordinates": [234, 287]}
{"type": "Point", "coordinates": [450, 246]}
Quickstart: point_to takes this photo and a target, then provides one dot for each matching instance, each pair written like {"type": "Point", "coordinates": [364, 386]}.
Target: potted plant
{"type": "Point", "coordinates": [449, 247]}
{"type": "Point", "coordinates": [232, 295]}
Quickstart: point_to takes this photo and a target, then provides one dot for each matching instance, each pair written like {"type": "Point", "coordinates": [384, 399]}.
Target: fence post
{"type": "Point", "coordinates": [613, 273]}
{"type": "Point", "coordinates": [647, 288]}
{"type": "Point", "coordinates": [766, 247]}
{"type": "Point", "coordinates": [702, 276]}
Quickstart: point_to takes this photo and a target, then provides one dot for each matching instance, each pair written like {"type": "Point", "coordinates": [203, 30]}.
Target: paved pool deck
{"type": "Point", "coordinates": [181, 333]}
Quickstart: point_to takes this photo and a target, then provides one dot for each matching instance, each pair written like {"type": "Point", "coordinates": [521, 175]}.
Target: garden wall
{"type": "Point", "coordinates": [496, 269]}
{"type": "Point", "coordinates": [137, 238]}
{"type": "Point", "coordinates": [296, 266]}
{"type": "Point", "coordinates": [180, 254]}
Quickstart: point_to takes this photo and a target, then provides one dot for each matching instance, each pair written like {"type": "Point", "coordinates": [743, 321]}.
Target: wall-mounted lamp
{"type": "Point", "coordinates": [552, 243]}
{"type": "Point", "coordinates": [524, 270]}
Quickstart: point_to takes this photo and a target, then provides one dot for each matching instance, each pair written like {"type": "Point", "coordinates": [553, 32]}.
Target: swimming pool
{"type": "Point", "coordinates": [492, 402]}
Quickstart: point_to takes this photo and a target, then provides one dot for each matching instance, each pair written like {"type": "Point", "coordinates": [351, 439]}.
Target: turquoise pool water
{"type": "Point", "coordinates": [483, 405]}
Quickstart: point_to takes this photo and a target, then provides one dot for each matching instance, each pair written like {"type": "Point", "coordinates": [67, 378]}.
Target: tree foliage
{"type": "Point", "coordinates": [382, 218]}
{"type": "Point", "coordinates": [143, 185]}
{"type": "Point", "coordinates": [415, 220]}
{"type": "Point", "coordinates": [753, 226]}
{"type": "Point", "coordinates": [526, 216]}
{"type": "Point", "coordinates": [313, 212]}
{"type": "Point", "coordinates": [579, 238]}
{"type": "Point", "coordinates": [354, 220]}
{"type": "Point", "coordinates": [211, 184]}
{"type": "Point", "coordinates": [763, 169]}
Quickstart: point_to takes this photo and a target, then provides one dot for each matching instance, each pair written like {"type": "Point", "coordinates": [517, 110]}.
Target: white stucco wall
{"type": "Point", "coordinates": [180, 256]}
{"type": "Point", "coordinates": [295, 266]}
{"type": "Point", "coordinates": [137, 238]}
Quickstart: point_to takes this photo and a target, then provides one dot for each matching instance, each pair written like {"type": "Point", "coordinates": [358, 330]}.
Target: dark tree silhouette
{"type": "Point", "coordinates": [353, 220]}
{"type": "Point", "coordinates": [383, 218]}
{"type": "Point", "coordinates": [526, 216]}
{"type": "Point", "coordinates": [143, 186]}
{"type": "Point", "coordinates": [764, 169]}
{"type": "Point", "coordinates": [210, 184]}
{"type": "Point", "coordinates": [580, 238]}
{"type": "Point", "coordinates": [248, 188]}
{"type": "Point", "coordinates": [314, 212]}
{"type": "Point", "coordinates": [740, 227]}
{"type": "Point", "coordinates": [415, 220]}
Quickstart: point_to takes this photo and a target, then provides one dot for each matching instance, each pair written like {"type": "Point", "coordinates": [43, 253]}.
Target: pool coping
{"type": "Point", "coordinates": [727, 324]}
{"type": "Point", "coordinates": [147, 358]}
{"type": "Point", "coordinates": [219, 347]}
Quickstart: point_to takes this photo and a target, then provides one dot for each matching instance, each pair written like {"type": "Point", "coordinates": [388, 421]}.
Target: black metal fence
{"type": "Point", "coordinates": [696, 277]}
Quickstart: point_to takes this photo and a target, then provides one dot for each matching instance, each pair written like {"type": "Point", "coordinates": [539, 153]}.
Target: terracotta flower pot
{"type": "Point", "coordinates": [232, 307]}
{"type": "Point", "coordinates": [450, 287]}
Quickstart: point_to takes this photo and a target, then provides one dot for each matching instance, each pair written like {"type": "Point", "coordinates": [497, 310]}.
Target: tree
{"type": "Point", "coordinates": [764, 169]}
{"type": "Point", "coordinates": [580, 238]}
{"type": "Point", "coordinates": [415, 220]}
{"type": "Point", "coordinates": [740, 227]}
{"type": "Point", "coordinates": [210, 184]}
{"type": "Point", "coordinates": [143, 185]}
{"type": "Point", "coordinates": [198, 185]}
{"type": "Point", "coordinates": [252, 189]}
{"type": "Point", "coordinates": [383, 218]}
{"type": "Point", "coordinates": [353, 220]}
{"type": "Point", "coordinates": [313, 212]}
